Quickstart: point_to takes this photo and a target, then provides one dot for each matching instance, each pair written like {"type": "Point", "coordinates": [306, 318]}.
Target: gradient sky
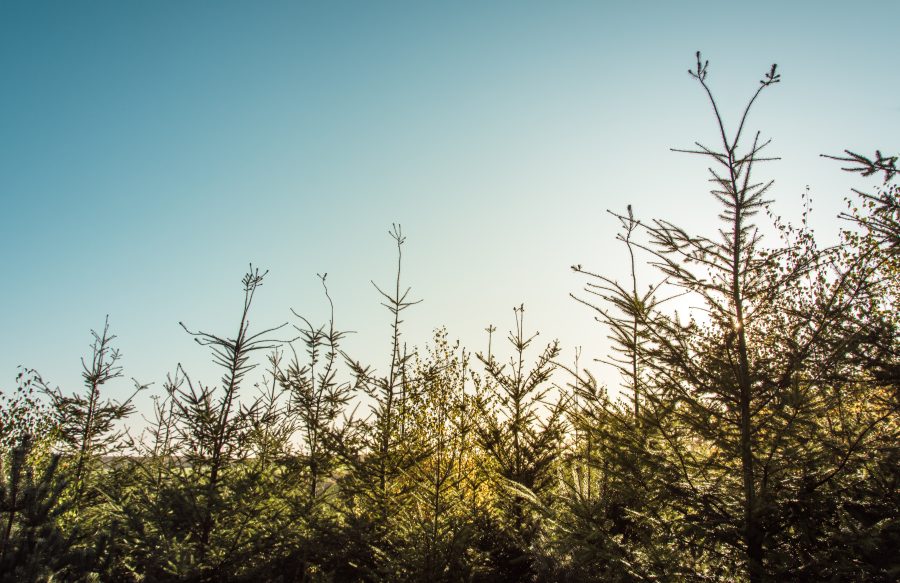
{"type": "Point", "coordinates": [150, 150]}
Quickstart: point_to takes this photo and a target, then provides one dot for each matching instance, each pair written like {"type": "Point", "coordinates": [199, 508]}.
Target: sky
{"type": "Point", "coordinates": [149, 151]}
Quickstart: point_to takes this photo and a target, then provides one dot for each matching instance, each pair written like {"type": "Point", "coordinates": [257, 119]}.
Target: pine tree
{"type": "Point", "coordinates": [377, 452]}
{"type": "Point", "coordinates": [742, 402]}
{"type": "Point", "coordinates": [33, 547]}
{"type": "Point", "coordinates": [521, 431]}
{"type": "Point", "coordinates": [210, 495]}
{"type": "Point", "coordinates": [87, 423]}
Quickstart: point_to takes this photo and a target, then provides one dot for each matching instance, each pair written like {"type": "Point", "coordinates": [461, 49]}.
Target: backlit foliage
{"type": "Point", "coordinates": [754, 436]}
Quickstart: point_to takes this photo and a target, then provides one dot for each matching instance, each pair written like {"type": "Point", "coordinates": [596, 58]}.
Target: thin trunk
{"type": "Point", "coordinates": [86, 438]}
{"type": "Point", "coordinates": [753, 536]}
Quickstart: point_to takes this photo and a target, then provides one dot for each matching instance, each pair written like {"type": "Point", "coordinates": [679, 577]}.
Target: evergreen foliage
{"type": "Point", "coordinates": [754, 438]}
{"type": "Point", "coordinates": [521, 432]}
{"type": "Point", "coordinates": [33, 546]}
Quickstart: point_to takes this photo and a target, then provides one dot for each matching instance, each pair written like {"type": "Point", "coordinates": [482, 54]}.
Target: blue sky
{"type": "Point", "coordinates": [150, 150]}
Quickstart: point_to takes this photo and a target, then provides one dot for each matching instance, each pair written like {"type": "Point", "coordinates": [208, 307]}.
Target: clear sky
{"type": "Point", "coordinates": [150, 150]}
